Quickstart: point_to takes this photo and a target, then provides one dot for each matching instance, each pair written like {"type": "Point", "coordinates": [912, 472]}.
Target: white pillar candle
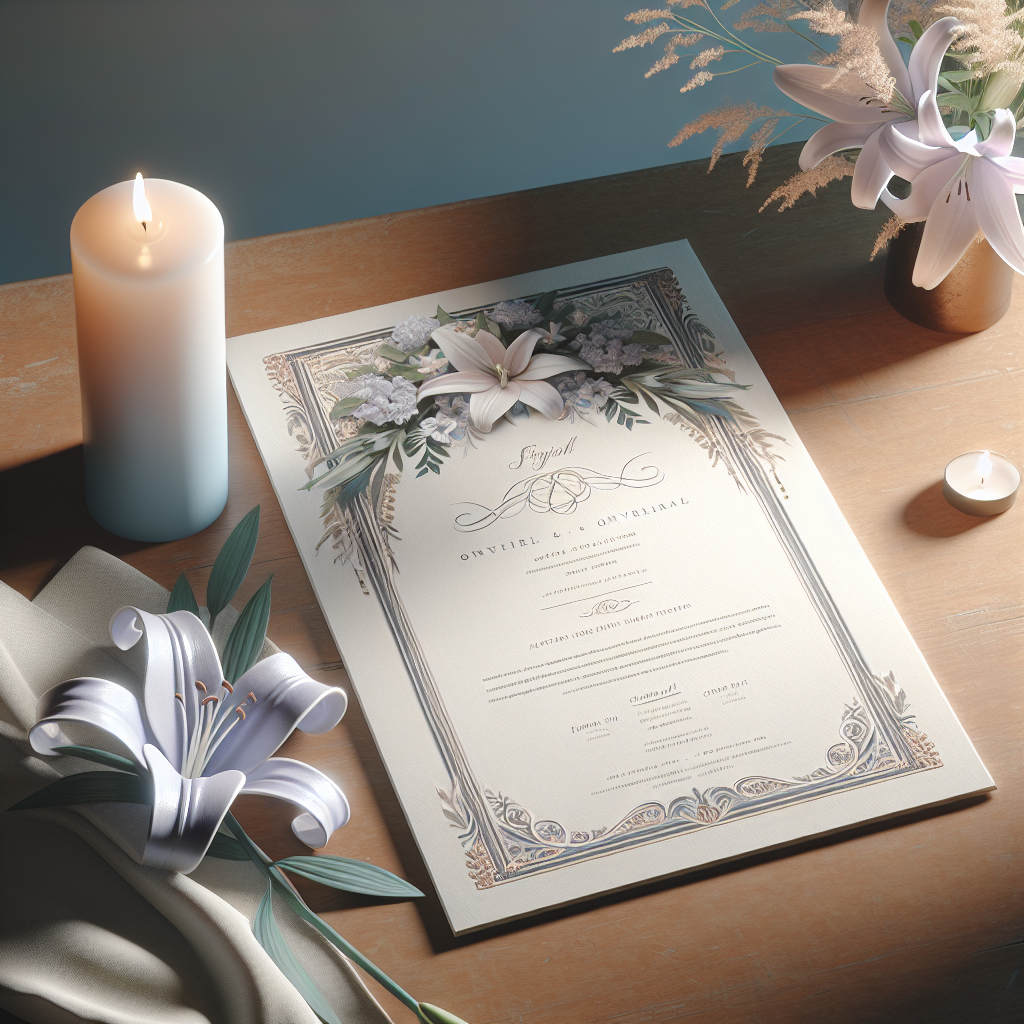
{"type": "Point", "coordinates": [148, 265]}
{"type": "Point", "coordinates": [981, 483]}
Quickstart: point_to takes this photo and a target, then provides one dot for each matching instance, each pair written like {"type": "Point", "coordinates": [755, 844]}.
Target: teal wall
{"type": "Point", "coordinates": [291, 113]}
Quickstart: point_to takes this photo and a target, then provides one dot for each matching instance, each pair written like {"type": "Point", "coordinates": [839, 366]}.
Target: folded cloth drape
{"type": "Point", "coordinates": [87, 933]}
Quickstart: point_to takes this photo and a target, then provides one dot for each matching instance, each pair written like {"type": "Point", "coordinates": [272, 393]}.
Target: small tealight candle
{"type": "Point", "coordinates": [981, 483]}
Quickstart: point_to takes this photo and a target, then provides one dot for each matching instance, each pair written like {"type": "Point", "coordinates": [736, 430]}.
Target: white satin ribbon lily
{"type": "Point", "coordinates": [957, 187]}
{"type": "Point", "coordinates": [857, 109]}
{"type": "Point", "coordinates": [200, 740]}
{"type": "Point", "coordinates": [496, 377]}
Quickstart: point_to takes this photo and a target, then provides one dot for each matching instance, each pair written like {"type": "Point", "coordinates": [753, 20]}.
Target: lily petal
{"type": "Point", "coordinates": [950, 227]}
{"type": "Point", "coordinates": [998, 214]}
{"type": "Point", "coordinates": [931, 130]}
{"type": "Point", "coordinates": [186, 813]}
{"type": "Point", "coordinates": [462, 351]}
{"type": "Point", "coordinates": [874, 14]}
{"type": "Point", "coordinates": [907, 157]}
{"type": "Point", "coordinates": [544, 364]}
{"type": "Point", "coordinates": [543, 397]}
{"type": "Point", "coordinates": [464, 383]}
{"type": "Point", "coordinates": [88, 704]}
{"type": "Point", "coordinates": [492, 346]}
{"type": "Point", "coordinates": [831, 139]}
{"type": "Point", "coordinates": [926, 187]}
{"type": "Point", "coordinates": [487, 407]}
{"type": "Point", "coordinates": [520, 351]}
{"type": "Point", "coordinates": [1013, 170]}
{"type": "Point", "coordinates": [808, 84]}
{"type": "Point", "coordinates": [179, 652]}
{"type": "Point", "coordinates": [285, 698]}
{"type": "Point", "coordinates": [871, 174]}
{"type": "Point", "coordinates": [324, 806]}
{"type": "Point", "coordinates": [999, 143]}
{"type": "Point", "coordinates": [926, 57]}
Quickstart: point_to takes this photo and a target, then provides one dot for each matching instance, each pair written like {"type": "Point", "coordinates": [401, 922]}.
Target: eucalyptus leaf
{"type": "Point", "coordinates": [90, 788]}
{"type": "Point", "coordinates": [544, 302]}
{"type": "Point", "coordinates": [103, 757]}
{"type": "Point", "coordinates": [269, 936]}
{"type": "Point", "coordinates": [182, 599]}
{"type": "Point", "coordinates": [651, 338]}
{"type": "Point", "coordinates": [915, 27]}
{"type": "Point", "coordinates": [232, 563]}
{"type": "Point", "coordinates": [247, 634]}
{"type": "Point", "coordinates": [345, 407]}
{"type": "Point", "coordinates": [396, 355]}
{"type": "Point", "coordinates": [408, 372]}
{"type": "Point", "coordinates": [435, 1015]}
{"type": "Point", "coordinates": [350, 875]}
{"type": "Point", "coordinates": [226, 847]}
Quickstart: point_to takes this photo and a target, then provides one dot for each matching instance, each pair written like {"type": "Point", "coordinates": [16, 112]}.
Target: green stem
{"type": "Point", "coordinates": [732, 40]}
{"type": "Point", "coordinates": [285, 890]}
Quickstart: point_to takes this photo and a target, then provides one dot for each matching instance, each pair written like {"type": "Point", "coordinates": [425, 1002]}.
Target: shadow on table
{"type": "Point", "coordinates": [930, 514]}
{"type": "Point", "coordinates": [43, 517]}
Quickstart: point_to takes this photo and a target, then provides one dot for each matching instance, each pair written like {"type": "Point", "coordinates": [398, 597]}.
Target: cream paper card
{"type": "Point", "coordinates": [605, 648]}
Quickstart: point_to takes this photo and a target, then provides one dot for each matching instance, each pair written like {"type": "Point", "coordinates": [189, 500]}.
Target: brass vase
{"type": "Point", "coordinates": [973, 296]}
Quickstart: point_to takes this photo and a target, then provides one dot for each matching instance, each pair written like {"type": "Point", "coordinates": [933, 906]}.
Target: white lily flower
{"type": "Point", "coordinates": [496, 377]}
{"type": "Point", "coordinates": [433, 362]}
{"type": "Point", "coordinates": [859, 113]}
{"type": "Point", "coordinates": [552, 335]}
{"type": "Point", "coordinates": [958, 186]}
{"type": "Point", "coordinates": [200, 740]}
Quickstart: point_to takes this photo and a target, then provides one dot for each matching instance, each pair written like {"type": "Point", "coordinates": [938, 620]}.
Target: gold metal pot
{"type": "Point", "coordinates": [973, 296]}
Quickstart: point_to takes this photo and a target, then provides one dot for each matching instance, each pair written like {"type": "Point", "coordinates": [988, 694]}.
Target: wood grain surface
{"type": "Point", "coordinates": [917, 920]}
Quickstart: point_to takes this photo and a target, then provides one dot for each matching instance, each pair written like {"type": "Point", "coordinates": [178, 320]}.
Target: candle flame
{"type": "Point", "coordinates": [984, 466]}
{"type": "Point", "coordinates": [143, 211]}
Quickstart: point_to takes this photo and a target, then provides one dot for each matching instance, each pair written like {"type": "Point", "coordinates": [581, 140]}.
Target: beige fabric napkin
{"type": "Point", "coordinates": [86, 933]}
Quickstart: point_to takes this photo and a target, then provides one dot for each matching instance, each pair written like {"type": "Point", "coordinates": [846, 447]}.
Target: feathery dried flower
{"type": "Point", "coordinates": [662, 63]}
{"type": "Point", "coordinates": [705, 57]}
{"type": "Point", "coordinates": [699, 79]}
{"type": "Point", "coordinates": [890, 229]}
{"type": "Point", "coordinates": [832, 168]}
{"type": "Point", "coordinates": [646, 14]}
{"type": "Point", "coordinates": [758, 141]}
{"type": "Point", "coordinates": [731, 122]}
{"type": "Point", "coordinates": [643, 38]}
{"type": "Point", "coordinates": [991, 37]}
{"type": "Point", "coordinates": [857, 54]}
{"type": "Point", "coordinates": [768, 17]}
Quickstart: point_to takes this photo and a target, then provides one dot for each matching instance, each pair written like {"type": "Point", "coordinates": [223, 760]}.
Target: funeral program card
{"type": "Point", "coordinates": [604, 618]}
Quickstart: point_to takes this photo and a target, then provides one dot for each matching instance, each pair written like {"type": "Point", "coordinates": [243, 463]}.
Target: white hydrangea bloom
{"type": "Point", "coordinates": [514, 314]}
{"type": "Point", "coordinates": [384, 400]}
{"type": "Point", "coordinates": [413, 332]}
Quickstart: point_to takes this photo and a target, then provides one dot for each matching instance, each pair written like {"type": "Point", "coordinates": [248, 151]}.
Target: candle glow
{"type": "Point", "coordinates": [984, 466]}
{"type": "Point", "coordinates": [143, 211]}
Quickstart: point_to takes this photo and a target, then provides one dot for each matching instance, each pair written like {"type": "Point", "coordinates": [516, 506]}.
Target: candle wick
{"type": "Point", "coordinates": [144, 228]}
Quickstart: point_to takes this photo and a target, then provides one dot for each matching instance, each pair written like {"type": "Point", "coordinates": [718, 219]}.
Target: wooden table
{"type": "Point", "coordinates": [920, 919]}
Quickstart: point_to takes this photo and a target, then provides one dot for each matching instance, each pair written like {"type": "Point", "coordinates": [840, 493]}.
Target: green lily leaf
{"type": "Point", "coordinates": [408, 372]}
{"type": "Point", "coordinates": [958, 76]}
{"type": "Point", "coordinates": [442, 317]}
{"type": "Point", "coordinates": [955, 99]}
{"type": "Point", "coordinates": [350, 875]}
{"type": "Point", "coordinates": [182, 599]}
{"type": "Point", "coordinates": [90, 788]}
{"type": "Point", "coordinates": [915, 27]}
{"type": "Point", "coordinates": [247, 634]}
{"type": "Point", "coordinates": [226, 847]}
{"type": "Point", "coordinates": [232, 563]}
{"type": "Point", "coordinates": [435, 1015]}
{"type": "Point", "coordinates": [269, 936]}
{"type": "Point", "coordinates": [103, 757]}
